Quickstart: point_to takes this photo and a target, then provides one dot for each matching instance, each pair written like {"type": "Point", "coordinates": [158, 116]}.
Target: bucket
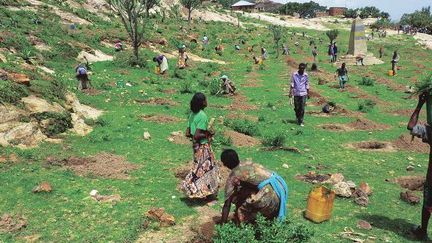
{"type": "Point", "coordinates": [320, 204]}
{"type": "Point", "coordinates": [157, 70]}
{"type": "Point", "coordinates": [390, 72]}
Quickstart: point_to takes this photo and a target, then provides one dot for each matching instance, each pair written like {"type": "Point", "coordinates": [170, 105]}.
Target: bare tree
{"type": "Point", "coordinates": [132, 14]}
{"type": "Point", "coordinates": [190, 5]}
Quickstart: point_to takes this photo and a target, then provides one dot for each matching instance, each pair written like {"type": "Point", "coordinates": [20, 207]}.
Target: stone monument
{"type": "Point", "coordinates": [357, 48]}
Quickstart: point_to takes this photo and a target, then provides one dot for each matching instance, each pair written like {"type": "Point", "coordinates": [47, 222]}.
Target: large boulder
{"type": "Point", "coordinates": [9, 113]}
{"type": "Point", "coordinates": [79, 126]}
{"type": "Point", "coordinates": [25, 135]}
{"type": "Point", "coordinates": [38, 105]}
{"type": "Point", "coordinates": [83, 111]}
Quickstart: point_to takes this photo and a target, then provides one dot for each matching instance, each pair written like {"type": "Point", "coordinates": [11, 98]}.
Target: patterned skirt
{"type": "Point", "coordinates": [203, 178]}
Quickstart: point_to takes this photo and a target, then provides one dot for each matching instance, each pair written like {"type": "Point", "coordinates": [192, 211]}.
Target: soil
{"type": "Point", "coordinates": [9, 223]}
{"type": "Point", "coordinates": [409, 197]}
{"type": "Point", "coordinates": [313, 177]}
{"type": "Point", "coordinates": [373, 146]}
{"type": "Point", "coordinates": [413, 183]}
{"type": "Point", "coordinates": [179, 138]}
{"type": "Point", "coordinates": [366, 125]}
{"type": "Point", "coordinates": [101, 165]}
{"type": "Point", "coordinates": [242, 117]}
{"type": "Point", "coordinates": [404, 142]}
{"type": "Point", "coordinates": [335, 127]}
{"type": "Point", "coordinates": [252, 80]}
{"type": "Point", "coordinates": [157, 101]}
{"type": "Point", "coordinates": [169, 91]}
{"type": "Point", "coordinates": [241, 140]}
{"type": "Point", "coordinates": [240, 103]}
{"type": "Point", "coordinates": [160, 118]}
{"type": "Point", "coordinates": [320, 99]}
{"type": "Point", "coordinates": [91, 91]}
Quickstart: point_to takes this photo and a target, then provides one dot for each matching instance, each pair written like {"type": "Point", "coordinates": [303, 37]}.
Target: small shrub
{"type": "Point", "coordinates": [54, 123]}
{"type": "Point", "coordinates": [366, 105]}
{"type": "Point", "coordinates": [186, 87]}
{"type": "Point", "coordinates": [214, 87]}
{"type": "Point", "coordinates": [263, 231]}
{"type": "Point", "coordinates": [424, 85]}
{"type": "Point", "coordinates": [243, 126]}
{"type": "Point", "coordinates": [178, 74]}
{"type": "Point", "coordinates": [261, 118]}
{"type": "Point", "coordinates": [221, 139]}
{"type": "Point", "coordinates": [274, 141]}
{"type": "Point", "coordinates": [249, 69]}
{"type": "Point", "coordinates": [367, 81]}
{"type": "Point", "coordinates": [204, 83]}
{"type": "Point", "coordinates": [11, 92]}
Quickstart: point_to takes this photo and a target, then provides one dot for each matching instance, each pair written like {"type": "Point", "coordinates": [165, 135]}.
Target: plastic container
{"type": "Point", "coordinates": [157, 70]}
{"type": "Point", "coordinates": [320, 204]}
{"type": "Point", "coordinates": [390, 72]}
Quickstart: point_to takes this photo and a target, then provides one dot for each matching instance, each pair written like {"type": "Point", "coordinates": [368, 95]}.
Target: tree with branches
{"type": "Point", "coordinates": [332, 35]}
{"type": "Point", "coordinates": [149, 4]}
{"type": "Point", "coordinates": [132, 14]}
{"type": "Point", "coordinates": [277, 36]}
{"type": "Point", "coordinates": [190, 5]}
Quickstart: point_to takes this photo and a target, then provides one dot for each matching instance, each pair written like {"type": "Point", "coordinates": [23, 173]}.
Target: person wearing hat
{"type": "Point", "coordinates": [161, 64]}
{"type": "Point", "coordinates": [227, 85]}
{"type": "Point", "coordinates": [183, 57]}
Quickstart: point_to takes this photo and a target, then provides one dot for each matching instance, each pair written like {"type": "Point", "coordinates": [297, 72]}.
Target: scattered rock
{"type": "Point", "coordinates": [342, 189]}
{"type": "Point", "coordinates": [351, 184]}
{"type": "Point", "coordinates": [365, 187]}
{"type": "Point", "coordinates": [9, 223]}
{"type": "Point", "coordinates": [113, 199]}
{"type": "Point", "coordinates": [19, 78]}
{"type": "Point", "coordinates": [178, 137]}
{"type": "Point", "coordinates": [147, 135]}
{"type": "Point", "coordinates": [363, 224]}
{"type": "Point", "coordinates": [82, 111]}
{"type": "Point", "coordinates": [410, 168]}
{"type": "Point", "coordinates": [361, 198]}
{"type": "Point", "coordinates": [286, 166]}
{"type": "Point", "coordinates": [42, 187]}
{"type": "Point", "coordinates": [409, 197]}
{"type": "Point", "coordinates": [335, 179]}
{"type": "Point", "coordinates": [23, 135]}
{"type": "Point", "coordinates": [161, 216]}
{"type": "Point", "coordinates": [98, 56]}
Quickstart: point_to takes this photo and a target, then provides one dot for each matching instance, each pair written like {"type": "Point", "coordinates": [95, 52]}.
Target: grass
{"type": "Point", "coordinates": [68, 214]}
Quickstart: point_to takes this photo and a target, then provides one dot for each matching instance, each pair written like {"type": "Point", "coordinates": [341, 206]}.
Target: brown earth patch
{"type": "Point", "coordinates": [373, 146]}
{"type": "Point", "coordinates": [320, 99]}
{"type": "Point", "coordinates": [91, 91]}
{"type": "Point", "coordinates": [241, 140]}
{"type": "Point", "coordinates": [292, 62]}
{"type": "Point", "coordinates": [160, 118]}
{"type": "Point", "coordinates": [157, 101]}
{"type": "Point", "coordinates": [252, 80]}
{"type": "Point", "coordinates": [101, 165]}
{"type": "Point", "coordinates": [367, 125]}
{"type": "Point", "coordinates": [169, 91]}
{"type": "Point", "coordinates": [313, 177]}
{"type": "Point", "coordinates": [9, 223]}
{"type": "Point", "coordinates": [413, 183]}
{"type": "Point", "coordinates": [242, 116]}
{"type": "Point", "coordinates": [335, 127]}
{"type": "Point", "coordinates": [404, 142]}
{"type": "Point", "coordinates": [240, 103]}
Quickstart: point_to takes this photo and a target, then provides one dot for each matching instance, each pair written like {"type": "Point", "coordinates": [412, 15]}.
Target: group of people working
{"type": "Point", "coordinates": [250, 187]}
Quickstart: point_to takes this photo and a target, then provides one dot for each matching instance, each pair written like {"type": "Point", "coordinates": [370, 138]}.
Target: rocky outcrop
{"type": "Point", "coordinates": [83, 111]}
{"type": "Point", "coordinates": [38, 105]}
{"type": "Point", "coordinates": [25, 135]}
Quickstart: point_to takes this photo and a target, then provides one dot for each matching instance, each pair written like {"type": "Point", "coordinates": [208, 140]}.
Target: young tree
{"type": "Point", "coordinates": [277, 36]}
{"type": "Point", "coordinates": [132, 14]}
{"type": "Point", "coordinates": [190, 5]}
{"type": "Point", "coordinates": [332, 35]}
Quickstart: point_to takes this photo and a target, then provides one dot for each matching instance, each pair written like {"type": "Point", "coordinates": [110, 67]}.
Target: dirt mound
{"type": "Point", "coordinates": [335, 127]}
{"type": "Point", "coordinates": [160, 118]}
{"type": "Point", "coordinates": [91, 92]}
{"type": "Point", "coordinates": [240, 103]}
{"type": "Point", "coordinates": [9, 223]}
{"type": "Point", "coordinates": [241, 140]}
{"type": "Point", "coordinates": [367, 125]}
{"type": "Point", "coordinates": [373, 146]}
{"type": "Point", "coordinates": [313, 177]}
{"type": "Point", "coordinates": [404, 142]}
{"type": "Point", "coordinates": [292, 62]}
{"type": "Point", "coordinates": [413, 183]}
{"type": "Point", "coordinates": [157, 101]}
{"type": "Point", "coordinates": [101, 165]}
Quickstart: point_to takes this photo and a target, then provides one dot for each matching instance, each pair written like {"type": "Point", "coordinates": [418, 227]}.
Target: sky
{"type": "Point", "coordinates": [396, 8]}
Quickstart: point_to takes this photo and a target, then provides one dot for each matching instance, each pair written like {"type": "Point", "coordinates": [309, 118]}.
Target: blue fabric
{"type": "Point", "coordinates": [281, 189]}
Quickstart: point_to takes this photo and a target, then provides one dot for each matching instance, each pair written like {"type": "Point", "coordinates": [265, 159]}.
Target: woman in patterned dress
{"type": "Point", "coordinates": [203, 179]}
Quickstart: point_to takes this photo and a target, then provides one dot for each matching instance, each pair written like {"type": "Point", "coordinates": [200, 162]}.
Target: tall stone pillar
{"type": "Point", "coordinates": [357, 42]}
